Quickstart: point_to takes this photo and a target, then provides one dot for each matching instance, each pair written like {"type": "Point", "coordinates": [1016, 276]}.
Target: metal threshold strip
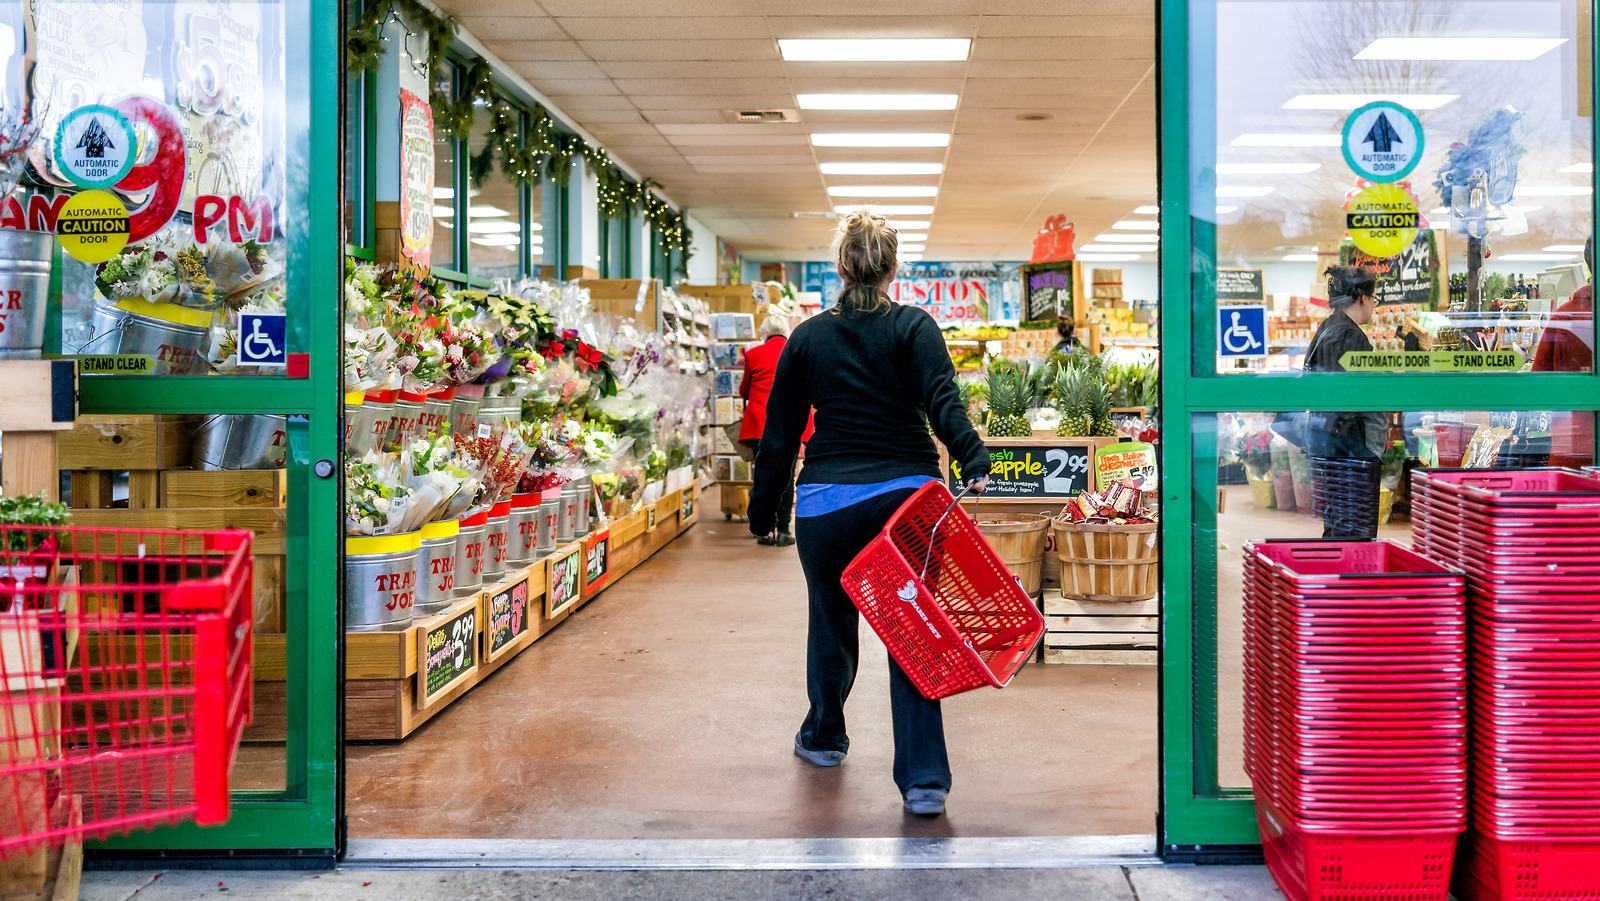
{"type": "Point", "coordinates": [755, 854]}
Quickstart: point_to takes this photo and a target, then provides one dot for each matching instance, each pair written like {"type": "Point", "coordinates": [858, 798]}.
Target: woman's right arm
{"type": "Point", "coordinates": [788, 411]}
{"type": "Point", "coordinates": [936, 378]}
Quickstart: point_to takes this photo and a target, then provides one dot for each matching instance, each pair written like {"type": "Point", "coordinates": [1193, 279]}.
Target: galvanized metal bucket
{"type": "Point", "coordinates": [436, 411]}
{"type": "Point", "coordinates": [24, 292]}
{"type": "Point", "coordinates": [524, 528]}
{"type": "Point", "coordinates": [498, 412]}
{"type": "Point", "coordinates": [176, 345]}
{"type": "Point", "coordinates": [470, 545]}
{"type": "Point", "coordinates": [380, 582]}
{"type": "Point", "coordinates": [580, 526]}
{"type": "Point", "coordinates": [381, 404]}
{"type": "Point", "coordinates": [464, 410]}
{"type": "Point", "coordinates": [549, 515]}
{"type": "Point", "coordinates": [436, 567]}
{"type": "Point", "coordinates": [499, 535]}
{"type": "Point", "coordinates": [359, 419]}
{"type": "Point", "coordinates": [567, 522]}
{"type": "Point", "coordinates": [241, 441]}
{"type": "Point", "coordinates": [405, 419]}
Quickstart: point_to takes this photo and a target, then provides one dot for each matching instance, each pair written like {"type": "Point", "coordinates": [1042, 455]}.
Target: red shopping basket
{"type": "Point", "coordinates": [124, 678]}
{"type": "Point", "coordinates": [950, 612]}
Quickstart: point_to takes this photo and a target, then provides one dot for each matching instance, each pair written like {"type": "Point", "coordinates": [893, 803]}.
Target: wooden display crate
{"type": "Point", "coordinates": [1100, 632]}
{"type": "Point", "coordinates": [724, 298]}
{"type": "Point", "coordinates": [621, 296]}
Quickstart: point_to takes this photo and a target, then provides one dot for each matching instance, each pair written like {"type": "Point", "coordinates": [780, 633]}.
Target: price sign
{"type": "Point", "coordinates": [1035, 467]}
{"type": "Point", "coordinates": [565, 570]}
{"type": "Point", "coordinates": [508, 618]}
{"type": "Point", "coordinates": [1126, 460]}
{"type": "Point", "coordinates": [447, 651]}
{"type": "Point", "coordinates": [1241, 284]}
{"type": "Point", "coordinates": [597, 560]}
{"type": "Point", "coordinates": [686, 511]}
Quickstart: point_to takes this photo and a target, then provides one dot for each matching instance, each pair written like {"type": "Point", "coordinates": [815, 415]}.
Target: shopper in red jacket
{"type": "Point", "coordinates": [760, 363]}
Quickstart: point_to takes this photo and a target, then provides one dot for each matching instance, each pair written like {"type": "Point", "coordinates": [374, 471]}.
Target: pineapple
{"type": "Point", "coordinates": [1071, 386]}
{"type": "Point", "coordinates": [1008, 405]}
{"type": "Point", "coordinates": [1099, 399]}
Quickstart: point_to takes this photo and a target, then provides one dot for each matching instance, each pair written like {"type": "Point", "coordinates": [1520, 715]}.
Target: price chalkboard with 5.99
{"type": "Point", "coordinates": [1034, 468]}
{"type": "Point", "coordinates": [447, 652]}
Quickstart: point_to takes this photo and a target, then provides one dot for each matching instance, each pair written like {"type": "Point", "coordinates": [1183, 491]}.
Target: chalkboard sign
{"type": "Point", "coordinates": [566, 580]}
{"type": "Point", "coordinates": [1413, 276]}
{"type": "Point", "coordinates": [1035, 467]}
{"type": "Point", "coordinates": [508, 618]}
{"type": "Point", "coordinates": [447, 652]}
{"type": "Point", "coordinates": [1046, 291]}
{"type": "Point", "coordinates": [597, 557]}
{"type": "Point", "coordinates": [686, 511]}
{"type": "Point", "coordinates": [1240, 284]}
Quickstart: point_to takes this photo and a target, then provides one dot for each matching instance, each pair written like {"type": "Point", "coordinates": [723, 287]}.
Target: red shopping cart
{"type": "Point", "coordinates": [953, 617]}
{"type": "Point", "coordinates": [124, 679]}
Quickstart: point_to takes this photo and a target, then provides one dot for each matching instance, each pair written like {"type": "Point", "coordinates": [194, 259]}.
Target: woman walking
{"type": "Point", "coordinates": [878, 375]}
{"type": "Point", "coordinates": [760, 364]}
{"type": "Point", "coordinates": [1345, 446]}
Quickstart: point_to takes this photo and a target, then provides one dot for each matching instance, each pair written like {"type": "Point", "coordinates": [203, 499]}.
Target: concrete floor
{"type": "Point", "coordinates": [667, 709]}
{"type": "Point", "coordinates": [1096, 884]}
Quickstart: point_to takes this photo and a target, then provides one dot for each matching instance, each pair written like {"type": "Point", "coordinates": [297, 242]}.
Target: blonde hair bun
{"type": "Point", "coordinates": [867, 249]}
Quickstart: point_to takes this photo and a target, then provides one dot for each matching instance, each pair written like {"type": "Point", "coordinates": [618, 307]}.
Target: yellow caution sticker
{"type": "Point", "coordinates": [93, 226]}
{"type": "Point", "coordinates": [1382, 220]}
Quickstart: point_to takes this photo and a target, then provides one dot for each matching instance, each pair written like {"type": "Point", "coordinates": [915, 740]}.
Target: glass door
{"type": "Point", "coordinates": [218, 286]}
{"type": "Point", "coordinates": [1438, 157]}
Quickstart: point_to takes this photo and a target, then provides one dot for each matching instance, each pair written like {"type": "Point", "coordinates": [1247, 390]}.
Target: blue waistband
{"type": "Point", "coordinates": [820, 500]}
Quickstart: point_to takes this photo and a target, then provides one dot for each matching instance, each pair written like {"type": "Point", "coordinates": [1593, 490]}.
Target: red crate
{"type": "Point", "coordinates": [1490, 868]}
{"type": "Point", "coordinates": [1341, 865]}
{"type": "Point", "coordinates": [124, 678]}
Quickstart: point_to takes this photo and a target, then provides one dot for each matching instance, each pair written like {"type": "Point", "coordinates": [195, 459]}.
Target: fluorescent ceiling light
{"type": "Point", "coordinates": [485, 211]}
{"type": "Point", "coordinates": [1225, 210]}
{"type": "Point", "coordinates": [1521, 208]}
{"type": "Point", "coordinates": [444, 193]}
{"type": "Point", "coordinates": [877, 101]}
{"type": "Point", "coordinates": [1287, 140]}
{"type": "Point", "coordinates": [443, 212]}
{"type": "Point", "coordinates": [1127, 239]}
{"type": "Point", "coordinates": [1578, 168]}
{"type": "Point", "coordinates": [913, 248]}
{"type": "Point", "coordinates": [1553, 191]}
{"type": "Point", "coordinates": [874, 50]}
{"type": "Point", "coordinates": [1119, 248]}
{"type": "Point", "coordinates": [1267, 168]}
{"type": "Point", "coordinates": [911, 236]}
{"type": "Point", "coordinates": [1299, 258]}
{"type": "Point", "coordinates": [1534, 257]}
{"type": "Point", "coordinates": [883, 190]}
{"type": "Point", "coordinates": [910, 209]}
{"type": "Point", "coordinates": [1243, 192]}
{"type": "Point", "coordinates": [498, 241]}
{"type": "Point", "coordinates": [882, 168]}
{"type": "Point", "coordinates": [910, 257]}
{"type": "Point", "coordinates": [536, 226]}
{"type": "Point", "coordinates": [1353, 101]}
{"type": "Point", "coordinates": [1143, 225]}
{"type": "Point", "coordinates": [1565, 248]}
{"type": "Point", "coordinates": [1147, 210]}
{"type": "Point", "coordinates": [881, 139]}
{"type": "Point", "coordinates": [494, 228]}
{"type": "Point", "coordinates": [912, 224]}
{"type": "Point", "coordinates": [1108, 257]}
{"type": "Point", "coordinates": [1486, 49]}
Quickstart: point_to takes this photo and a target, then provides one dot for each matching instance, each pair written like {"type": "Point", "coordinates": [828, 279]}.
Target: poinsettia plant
{"type": "Point", "coordinates": [1256, 453]}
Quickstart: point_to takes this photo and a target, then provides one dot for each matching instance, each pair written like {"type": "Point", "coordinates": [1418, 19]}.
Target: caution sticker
{"type": "Point", "coordinates": [95, 146]}
{"type": "Point", "coordinates": [1382, 220]}
{"type": "Point", "coordinates": [93, 226]}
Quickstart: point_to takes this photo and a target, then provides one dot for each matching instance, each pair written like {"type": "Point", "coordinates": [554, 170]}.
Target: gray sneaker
{"type": "Point", "coordinates": [818, 758]}
{"type": "Point", "coordinates": [926, 802]}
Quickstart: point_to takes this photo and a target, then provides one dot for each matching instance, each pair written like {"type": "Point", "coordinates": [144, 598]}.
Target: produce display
{"type": "Point", "coordinates": [1072, 395]}
{"type": "Point", "coordinates": [1119, 504]}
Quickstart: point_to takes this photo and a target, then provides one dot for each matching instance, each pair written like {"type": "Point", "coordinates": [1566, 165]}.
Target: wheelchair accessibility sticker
{"type": "Point", "coordinates": [263, 339]}
{"type": "Point", "coordinates": [1242, 331]}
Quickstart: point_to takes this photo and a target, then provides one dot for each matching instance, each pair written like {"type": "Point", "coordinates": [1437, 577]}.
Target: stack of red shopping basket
{"type": "Point", "coordinates": [1355, 716]}
{"type": "Point", "coordinates": [1529, 541]}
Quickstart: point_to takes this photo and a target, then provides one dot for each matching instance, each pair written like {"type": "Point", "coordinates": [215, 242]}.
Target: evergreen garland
{"type": "Point", "coordinates": [544, 152]}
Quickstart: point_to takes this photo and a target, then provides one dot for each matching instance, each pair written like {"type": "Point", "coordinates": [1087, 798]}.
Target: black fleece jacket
{"type": "Point", "coordinates": [876, 380]}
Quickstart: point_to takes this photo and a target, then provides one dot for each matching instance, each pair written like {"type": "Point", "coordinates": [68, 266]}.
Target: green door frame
{"type": "Point", "coordinates": [1201, 820]}
{"type": "Point", "coordinates": [300, 824]}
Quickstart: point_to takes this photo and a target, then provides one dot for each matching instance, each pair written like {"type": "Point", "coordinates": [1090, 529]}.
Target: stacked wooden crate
{"type": "Point", "coordinates": [164, 492]}
{"type": "Point", "coordinates": [1082, 631]}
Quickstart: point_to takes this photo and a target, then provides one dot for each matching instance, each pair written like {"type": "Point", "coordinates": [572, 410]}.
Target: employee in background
{"type": "Point", "coordinates": [760, 363]}
{"type": "Point", "coordinates": [1065, 330]}
{"type": "Point", "coordinates": [1345, 446]}
{"type": "Point", "coordinates": [878, 375]}
{"type": "Point", "coordinates": [1567, 345]}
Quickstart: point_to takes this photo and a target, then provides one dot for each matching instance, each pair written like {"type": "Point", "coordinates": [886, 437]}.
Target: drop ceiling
{"type": "Point", "coordinates": [654, 83]}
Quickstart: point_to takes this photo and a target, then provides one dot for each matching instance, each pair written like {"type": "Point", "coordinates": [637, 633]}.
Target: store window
{"type": "Point", "coordinates": [1252, 483]}
{"type": "Point", "coordinates": [446, 206]}
{"type": "Point", "coordinates": [494, 209]}
{"type": "Point", "coordinates": [535, 214]}
{"type": "Point", "coordinates": [1446, 150]}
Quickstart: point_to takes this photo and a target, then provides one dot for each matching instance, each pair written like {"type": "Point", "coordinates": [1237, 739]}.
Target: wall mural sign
{"type": "Point", "coordinates": [954, 294]}
{"type": "Point", "coordinates": [416, 173]}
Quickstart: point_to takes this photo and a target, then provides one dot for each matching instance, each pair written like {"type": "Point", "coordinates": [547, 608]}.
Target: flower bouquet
{"type": "Point", "coordinates": [1256, 452]}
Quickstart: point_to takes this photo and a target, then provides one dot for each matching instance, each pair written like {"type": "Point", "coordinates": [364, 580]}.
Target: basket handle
{"type": "Point", "coordinates": [928, 557]}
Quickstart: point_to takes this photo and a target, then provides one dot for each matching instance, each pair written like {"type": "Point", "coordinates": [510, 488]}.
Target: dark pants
{"type": "Point", "coordinates": [1349, 496]}
{"type": "Point", "coordinates": [827, 544]}
{"type": "Point", "coordinates": [780, 519]}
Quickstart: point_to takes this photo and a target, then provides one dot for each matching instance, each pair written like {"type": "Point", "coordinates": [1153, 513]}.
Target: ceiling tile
{"type": "Point", "coordinates": [761, 48]}
{"type": "Point", "coordinates": [705, 69]}
{"type": "Point", "coordinates": [661, 29]}
{"type": "Point", "coordinates": [509, 27]}
{"type": "Point", "coordinates": [542, 72]}
{"type": "Point", "coordinates": [1071, 26]}
{"type": "Point", "coordinates": [580, 87]}
{"type": "Point", "coordinates": [872, 26]}
{"type": "Point", "coordinates": [536, 51]}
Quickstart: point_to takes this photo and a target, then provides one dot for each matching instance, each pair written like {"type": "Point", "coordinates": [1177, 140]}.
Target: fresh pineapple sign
{"type": "Point", "coordinates": [1034, 467]}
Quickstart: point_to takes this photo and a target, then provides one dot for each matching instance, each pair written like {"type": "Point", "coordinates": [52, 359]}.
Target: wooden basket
{"type": "Point", "coordinates": [1019, 542]}
{"type": "Point", "coordinates": [1107, 562]}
